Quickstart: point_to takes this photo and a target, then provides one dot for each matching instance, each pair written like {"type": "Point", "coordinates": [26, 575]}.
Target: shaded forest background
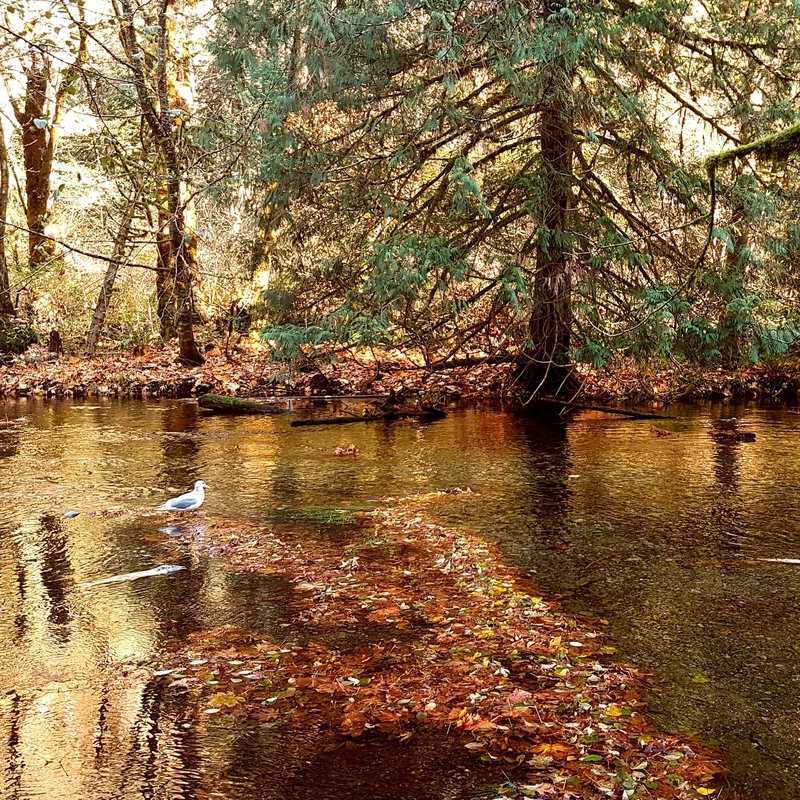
{"type": "Point", "coordinates": [552, 183]}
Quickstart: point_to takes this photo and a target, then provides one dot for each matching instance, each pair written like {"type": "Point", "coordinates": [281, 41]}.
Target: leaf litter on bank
{"type": "Point", "coordinates": [413, 626]}
{"type": "Point", "coordinates": [250, 372]}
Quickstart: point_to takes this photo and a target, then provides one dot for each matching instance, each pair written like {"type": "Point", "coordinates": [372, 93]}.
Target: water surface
{"type": "Point", "coordinates": [660, 534]}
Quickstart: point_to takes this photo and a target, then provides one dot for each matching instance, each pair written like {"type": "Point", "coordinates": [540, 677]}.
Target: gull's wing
{"type": "Point", "coordinates": [183, 502]}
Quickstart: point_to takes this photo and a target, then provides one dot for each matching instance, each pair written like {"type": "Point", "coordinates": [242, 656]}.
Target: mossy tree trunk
{"type": "Point", "coordinates": [165, 278]}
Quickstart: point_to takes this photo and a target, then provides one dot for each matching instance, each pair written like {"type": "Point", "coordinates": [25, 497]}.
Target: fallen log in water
{"type": "Point", "coordinates": [386, 413]}
{"type": "Point", "coordinates": [300, 423]}
{"type": "Point", "coordinates": [551, 401]}
{"type": "Point", "coordinates": [234, 405]}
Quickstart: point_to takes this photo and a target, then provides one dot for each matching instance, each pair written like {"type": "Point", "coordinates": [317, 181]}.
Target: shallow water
{"type": "Point", "coordinates": [661, 535]}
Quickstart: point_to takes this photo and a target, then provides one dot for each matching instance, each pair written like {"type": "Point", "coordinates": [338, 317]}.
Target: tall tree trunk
{"type": "Point", "coordinates": [38, 120]}
{"type": "Point", "coordinates": [177, 95]}
{"type": "Point", "coordinates": [180, 237]}
{"type": "Point", "coordinates": [547, 368]}
{"type": "Point", "coordinates": [6, 304]}
{"type": "Point", "coordinates": [163, 94]}
{"type": "Point", "coordinates": [37, 153]}
{"type": "Point", "coordinates": [103, 300]}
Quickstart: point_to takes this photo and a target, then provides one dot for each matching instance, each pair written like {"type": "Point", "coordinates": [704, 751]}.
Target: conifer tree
{"type": "Point", "coordinates": [514, 177]}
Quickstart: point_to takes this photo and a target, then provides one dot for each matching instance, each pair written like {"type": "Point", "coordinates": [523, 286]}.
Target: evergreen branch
{"type": "Point", "coordinates": [632, 219]}
{"type": "Point", "coordinates": [638, 68]}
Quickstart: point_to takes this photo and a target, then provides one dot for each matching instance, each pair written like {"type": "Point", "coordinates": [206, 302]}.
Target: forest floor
{"type": "Point", "coordinates": [249, 372]}
{"type": "Point", "coordinates": [399, 630]}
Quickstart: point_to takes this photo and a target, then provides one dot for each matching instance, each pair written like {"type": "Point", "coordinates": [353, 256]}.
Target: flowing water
{"type": "Point", "coordinates": [662, 535]}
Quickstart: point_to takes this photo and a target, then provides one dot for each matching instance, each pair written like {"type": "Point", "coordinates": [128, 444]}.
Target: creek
{"type": "Point", "coordinates": [663, 536]}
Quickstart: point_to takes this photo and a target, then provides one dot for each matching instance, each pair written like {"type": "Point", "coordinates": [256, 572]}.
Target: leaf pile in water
{"type": "Point", "coordinates": [410, 626]}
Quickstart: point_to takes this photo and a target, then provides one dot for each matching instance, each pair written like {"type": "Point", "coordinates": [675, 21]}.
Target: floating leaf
{"type": "Point", "coordinates": [224, 700]}
{"type": "Point", "coordinates": [700, 679]}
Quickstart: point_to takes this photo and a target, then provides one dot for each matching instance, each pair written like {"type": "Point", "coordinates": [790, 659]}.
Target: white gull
{"type": "Point", "coordinates": [190, 501]}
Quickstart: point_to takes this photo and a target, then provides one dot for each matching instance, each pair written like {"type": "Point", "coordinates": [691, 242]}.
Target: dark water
{"type": "Point", "coordinates": [662, 535]}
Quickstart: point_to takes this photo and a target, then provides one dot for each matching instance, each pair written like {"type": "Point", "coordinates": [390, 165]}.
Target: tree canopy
{"type": "Point", "coordinates": [553, 182]}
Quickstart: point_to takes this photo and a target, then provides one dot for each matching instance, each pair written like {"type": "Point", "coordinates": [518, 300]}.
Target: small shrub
{"type": "Point", "coordinates": [16, 337]}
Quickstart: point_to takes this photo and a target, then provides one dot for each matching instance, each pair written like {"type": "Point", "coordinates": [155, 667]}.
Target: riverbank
{"type": "Point", "coordinates": [402, 628]}
{"type": "Point", "coordinates": [155, 372]}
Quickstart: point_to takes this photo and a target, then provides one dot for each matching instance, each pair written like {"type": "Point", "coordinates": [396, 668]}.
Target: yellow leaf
{"type": "Point", "coordinates": [705, 791]}
{"type": "Point", "coordinates": [614, 711]}
{"type": "Point", "coordinates": [224, 700]}
{"type": "Point", "coordinates": [557, 750]}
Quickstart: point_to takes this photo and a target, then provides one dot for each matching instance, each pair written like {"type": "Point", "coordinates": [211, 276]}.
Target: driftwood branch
{"type": "Point", "coordinates": [454, 363]}
{"type": "Point", "coordinates": [298, 423]}
{"type": "Point", "coordinates": [549, 401]}
{"type": "Point", "coordinates": [388, 412]}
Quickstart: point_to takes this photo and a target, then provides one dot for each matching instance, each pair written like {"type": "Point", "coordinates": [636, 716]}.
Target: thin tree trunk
{"type": "Point", "coordinates": [6, 304]}
{"type": "Point", "coordinates": [165, 274]}
{"type": "Point", "coordinates": [548, 367]}
{"type": "Point", "coordinates": [103, 300]}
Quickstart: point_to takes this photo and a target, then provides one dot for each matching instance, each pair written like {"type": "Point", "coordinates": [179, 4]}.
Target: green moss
{"type": "Point", "coordinates": [328, 515]}
{"type": "Point", "coordinates": [773, 147]}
